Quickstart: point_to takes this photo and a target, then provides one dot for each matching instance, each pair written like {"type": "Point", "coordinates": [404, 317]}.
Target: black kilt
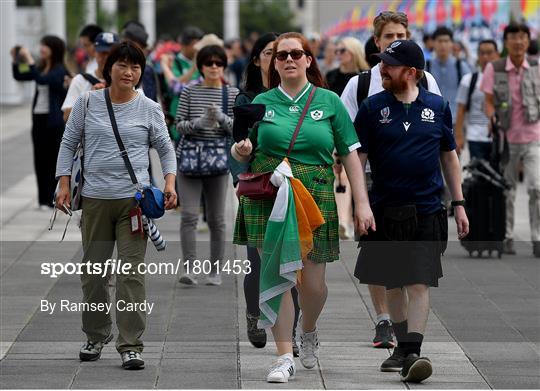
{"type": "Point", "coordinates": [395, 264]}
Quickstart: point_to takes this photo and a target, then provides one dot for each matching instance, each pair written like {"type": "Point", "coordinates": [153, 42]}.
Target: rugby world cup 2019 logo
{"type": "Point", "coordinates": [385, 113]}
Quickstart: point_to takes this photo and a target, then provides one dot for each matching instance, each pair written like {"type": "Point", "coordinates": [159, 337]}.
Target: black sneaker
{"type": "Point", "coordinates": [508, 247]}
{"type": "Point", "coordinates": [416, 369]}
{"type": "Point", "coordinates": [91, 351]}
{"type": "Point", "coordinates": [384, 335]}
{"type": "Point", "coordinates": [132, 360]}
{"type": "Point", "coordinates": [394, 363]}
{"type": "Point", "coordinates": [256, 336]}
{"type": "Point", "coordinates": [536, 249]}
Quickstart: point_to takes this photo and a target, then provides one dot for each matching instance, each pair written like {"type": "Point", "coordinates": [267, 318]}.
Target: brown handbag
{"type": "Point", "coordinates": [257, 185]}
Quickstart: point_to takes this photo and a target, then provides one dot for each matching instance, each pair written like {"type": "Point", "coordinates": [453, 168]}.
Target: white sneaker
{"type": "Point", "coordinates": [309, 349]}
{"type": "Point", "coordinates": [282, 370]}
{"type": "Point", "coordinates": [213, 279]}
{"type": "Point", "coordinates": [132, 360]}
{"type": "Point", "coordinates": [188, 279]}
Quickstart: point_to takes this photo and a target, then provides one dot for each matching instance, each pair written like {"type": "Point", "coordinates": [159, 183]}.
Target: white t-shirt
{"type": "Point", "coordinates": [348, 97]}
{"type": "Point", "coordinates": [42, 102]}
{"type": "Point", "coordinates": [476, 121]}
{"type": "Point", "coordinates": [92, 66]}
{"type": "Point", "coordinates": [78, 86]}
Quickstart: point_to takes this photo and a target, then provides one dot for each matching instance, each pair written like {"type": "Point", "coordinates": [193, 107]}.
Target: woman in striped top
{"type": "Point", "coordinates": [200, 115]}
{"type": "Point", "coordinates": [108, 196]}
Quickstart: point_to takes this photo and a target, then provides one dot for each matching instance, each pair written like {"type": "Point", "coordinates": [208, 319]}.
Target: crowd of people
{"type": "Point", "coordinates": [358, 141]}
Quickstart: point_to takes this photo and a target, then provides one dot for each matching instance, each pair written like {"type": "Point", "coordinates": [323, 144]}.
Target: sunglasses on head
{"type": "Point", "coordinates": [211, 63]}
{"type": "Point", "coordinates": [387, 14]}
{"type": "Point", "coordinates": [296, 54]}
{"type": "Point", "coordinates": [340, 51]}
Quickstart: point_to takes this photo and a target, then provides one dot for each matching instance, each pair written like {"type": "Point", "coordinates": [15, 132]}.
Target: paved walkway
{"type": "Point", "coordinates": [483, 331]}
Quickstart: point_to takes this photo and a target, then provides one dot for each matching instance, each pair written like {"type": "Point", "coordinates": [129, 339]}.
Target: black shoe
{"type": "Point", "coordinates": [91, 351]}
{"type": "Point", "coordinates": [132, 360]}
{"type": "Point", "coordinates": [536, 249]}
{"type": "Point", "coordinates": [256, 336]}
{"type": "Point", "coordinates": [416, 369]}
{"type": "Point", "coordinates": [384, 335]}
{"type": "Point", "coordinates": [508, 247]}
{"type": "Point", "coordinates": [394, 363]}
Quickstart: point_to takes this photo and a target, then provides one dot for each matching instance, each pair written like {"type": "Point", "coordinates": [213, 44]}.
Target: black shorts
{"type": "Point", "coordinates": [395, 264]}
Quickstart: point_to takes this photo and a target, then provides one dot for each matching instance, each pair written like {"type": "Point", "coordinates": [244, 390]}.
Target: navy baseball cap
{"type": "Point", "coordinates": [104, 41]}
{"type": "Point", "coordinates": [403, 52]}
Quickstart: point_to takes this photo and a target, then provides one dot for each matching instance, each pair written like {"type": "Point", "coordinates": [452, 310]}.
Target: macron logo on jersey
{"type": "Point", "coordinates": [406, 125]}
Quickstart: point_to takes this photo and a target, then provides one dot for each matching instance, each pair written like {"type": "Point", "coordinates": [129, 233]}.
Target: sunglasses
{"type": "Point", "coordinates": [387, 14]}
{"type": "Point", "coordinates": [296, 54]}
{"type": "Point", "coordinates": [340, 51]}
{"type": "Point", "coordinates": [53, 219]}
{"type": "Point", "coordinates": [211, 63]}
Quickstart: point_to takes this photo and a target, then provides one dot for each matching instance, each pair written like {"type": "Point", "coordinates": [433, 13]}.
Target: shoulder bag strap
{"type": "Point", "coordinates": [90, 79]}
{"type": "Point", "coordinates": [299, 124]}
{"type": "Point", "coordinates": [458, 70]}
{"type": "Point", "coordinates": [123, 151]}
{"type": "Point", "coordinates": [472, 85]}
{"type": "Point", "coordinates": [225, 99]}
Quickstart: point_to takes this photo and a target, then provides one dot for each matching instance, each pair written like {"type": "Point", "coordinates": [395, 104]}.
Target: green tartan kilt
{"type": "Point", "coordinates": [252, 215]}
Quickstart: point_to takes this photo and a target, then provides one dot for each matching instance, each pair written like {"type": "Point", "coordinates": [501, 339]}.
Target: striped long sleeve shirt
{"type": "Point", "coordinates": [194, 100]}
{"type": "Point", "coordinates": [141, 125]}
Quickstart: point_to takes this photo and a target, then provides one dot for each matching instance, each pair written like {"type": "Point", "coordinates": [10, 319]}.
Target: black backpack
{"type": "Point", "coordinates": [364, 80]}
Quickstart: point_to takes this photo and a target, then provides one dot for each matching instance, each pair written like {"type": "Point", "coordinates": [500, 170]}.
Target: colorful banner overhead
{"type": "Point", "coordinates": [426, 15]}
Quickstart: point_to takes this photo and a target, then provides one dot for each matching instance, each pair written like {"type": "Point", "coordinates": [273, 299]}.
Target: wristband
{"type": "Point", "coordinates": [458, 203]}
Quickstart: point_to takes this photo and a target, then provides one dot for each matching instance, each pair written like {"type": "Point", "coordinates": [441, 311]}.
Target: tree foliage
{"type": "Point", "coordinates": [265, 15]}
{"type": "Point", "coordinates": [255, 15]}
{"type": "Point", "coordinates": [173, 15]}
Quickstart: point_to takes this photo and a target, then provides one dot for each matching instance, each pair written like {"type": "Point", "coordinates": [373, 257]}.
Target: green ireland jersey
{"type": "Point", "coordinates": [181, 65]}
{"type": "Point", "coordinates": [326, 127]}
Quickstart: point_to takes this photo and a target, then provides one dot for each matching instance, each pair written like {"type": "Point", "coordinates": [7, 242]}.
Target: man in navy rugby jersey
{"type": "Point", "coordinates": [406, 133]}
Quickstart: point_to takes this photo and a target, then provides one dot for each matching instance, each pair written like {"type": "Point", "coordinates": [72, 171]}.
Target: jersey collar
{"type": "Point", "coordinates": [300, 94]}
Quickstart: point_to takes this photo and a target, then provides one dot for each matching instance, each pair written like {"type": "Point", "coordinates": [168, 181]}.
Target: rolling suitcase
{"type": "Point", "coordinates": [484, 192]}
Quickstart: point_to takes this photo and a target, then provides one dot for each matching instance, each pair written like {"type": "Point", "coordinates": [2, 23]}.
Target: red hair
{"type": "Point", "coordinates": [313, 73]}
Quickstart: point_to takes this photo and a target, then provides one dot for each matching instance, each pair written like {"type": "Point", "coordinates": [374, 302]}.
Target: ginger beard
{"type": "Point", "coordinates": [396, 82]}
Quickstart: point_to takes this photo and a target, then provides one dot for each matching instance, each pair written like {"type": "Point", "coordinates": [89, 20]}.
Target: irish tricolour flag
{"type": "Point", "coordinates": [288, 240]}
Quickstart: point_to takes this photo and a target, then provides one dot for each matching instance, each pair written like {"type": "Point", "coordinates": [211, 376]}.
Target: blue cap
{"type": "Point", "coordinates": [104, 41]}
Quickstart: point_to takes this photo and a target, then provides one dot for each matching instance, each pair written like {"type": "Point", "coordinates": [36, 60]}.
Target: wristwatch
{"type": "Point", "coordinates": [458, 203]}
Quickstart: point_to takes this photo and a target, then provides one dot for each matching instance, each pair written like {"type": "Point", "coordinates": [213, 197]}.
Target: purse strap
{"type": "Point", "coordinates": [301, 120]}
{"type": "Point", "coordinates": [225, 99]}
{"type": "Point", "coordinates": [123, 151]}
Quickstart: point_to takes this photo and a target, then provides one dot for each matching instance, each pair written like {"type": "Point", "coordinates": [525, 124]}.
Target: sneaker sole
{"type": "Point", "coordinates": [391, 369]}
{"type": "Point", "coordinates": [187, 281]}
{"type": "Point", "coordinates": [133, 367]}
{"type": "Point", "coordinates": [384, 345]}
{"type": "Point", "coordinates": [91, 357]}
{"type": "Point", "coordinates": [419, 371]}
{"type": "Point", "coordinates": [279, 380]}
